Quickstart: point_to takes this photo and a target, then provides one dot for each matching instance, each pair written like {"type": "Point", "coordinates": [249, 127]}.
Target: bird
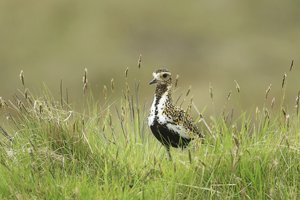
{"type": "Point", "coordinates": [170, 125]}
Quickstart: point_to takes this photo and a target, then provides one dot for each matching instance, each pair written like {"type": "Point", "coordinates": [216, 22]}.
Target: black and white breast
{"type": "Point", "coordinates": [164, 127]}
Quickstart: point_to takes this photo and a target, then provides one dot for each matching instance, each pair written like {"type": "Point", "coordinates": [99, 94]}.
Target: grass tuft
{"type": "Point", "coordinates": [50, 151]}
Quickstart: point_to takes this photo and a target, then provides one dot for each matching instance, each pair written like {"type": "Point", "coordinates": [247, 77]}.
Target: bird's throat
{"type": "Point", "coordinates": [163, 91]}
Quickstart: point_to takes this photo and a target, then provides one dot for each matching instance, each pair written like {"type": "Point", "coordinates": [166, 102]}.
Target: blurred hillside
{"type": "Point", "coordinates": [204, 42]}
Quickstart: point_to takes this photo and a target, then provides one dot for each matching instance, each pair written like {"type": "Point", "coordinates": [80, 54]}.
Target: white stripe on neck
{"type": "Point", "coordinates": [162, 119]}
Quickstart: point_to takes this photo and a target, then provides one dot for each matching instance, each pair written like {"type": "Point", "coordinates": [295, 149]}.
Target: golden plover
{"type": "Point", "coordinates": [169, 124]}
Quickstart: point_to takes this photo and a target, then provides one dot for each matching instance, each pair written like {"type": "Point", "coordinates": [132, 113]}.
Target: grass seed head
{"type": "Point", "coordinates": [26, 93]}
{"type": "Point", "coordinates": [112, 85]}
{"type": "Point", "coordinates": [267, 115]}
{"type": "Point", "coordinates": [41, 109]}
{"type": "Point", "coordinates": [190, 156]}
{"type": "Point", "coordinates": [123, 110]}
{"type": "Point", "coordinates": [176, 80]}
{"type": "Point", "coordinates": [201, 116]}
{"type": "Point", "coordinates": [297, 103]}
{"type": "Point", "coordinates": [287, 120]}
{"type": "Point", "coordinates": [1, 102]}
{"type": "Point", "coordinates": [104, 91]}
{"type": "Point", "coordinates": [236, 140]}
{"type": "Point", "coordinates": [110, 119]}
{"type": "Point", "coordinates": [140, 61]}
{"type": "Point", "coordinates": [188, 91]}
{"type": "Point", "coordinates": [22, 78]}
{"type": "Point", "coordinates": [237, 86]}
{"type": "Point", "coordinates": [126, 72]}
{"type": "Point", "coordinates": [268, 91]}
{"type": "Point", "coordinates": [85, 81]}
{"type": "Point", "coordinates": [283, 80]}
{"type": "Point", "coordinates": [257, 111]}
{"type": "Point", "coordinates": [229, 95]}
{"type": "Point", "coordinates": [189, 108]}
{"type": "Point", "coordinates": [273, 102]}
{"type": "Point", "coordinates": [292, 65]}
{"type": "Point", "coordinates": [284, 112]}
{"type": "Point", "coordinates": [211, 94]}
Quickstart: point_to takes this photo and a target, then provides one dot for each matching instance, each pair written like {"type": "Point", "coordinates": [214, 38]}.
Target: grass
{"type": "Point", "coordinates": [50, 151]}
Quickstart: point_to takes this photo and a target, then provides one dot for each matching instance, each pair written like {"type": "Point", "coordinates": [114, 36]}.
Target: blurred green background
{"type": "Point", "coordinates": [205, 42]}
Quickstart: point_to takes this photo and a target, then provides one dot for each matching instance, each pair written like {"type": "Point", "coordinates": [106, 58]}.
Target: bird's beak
{"type": "Point", "coordinates": [153, 81]}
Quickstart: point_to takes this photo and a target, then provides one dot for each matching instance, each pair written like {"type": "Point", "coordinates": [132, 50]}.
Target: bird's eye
{"type": "Point", "coordinates": [165, 75]}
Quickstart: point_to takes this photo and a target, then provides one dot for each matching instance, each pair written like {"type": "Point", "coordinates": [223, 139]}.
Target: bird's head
{"type": "Point", "coordinates": [161, 77]}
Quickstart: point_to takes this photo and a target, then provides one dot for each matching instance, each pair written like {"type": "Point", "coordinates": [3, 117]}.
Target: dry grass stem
{"type": "Point", "coordinates": [5, 134]}
{"type": "Point", "coordinates": [87, 141]}
{"type": "Point", "coordinates": [201, 119]}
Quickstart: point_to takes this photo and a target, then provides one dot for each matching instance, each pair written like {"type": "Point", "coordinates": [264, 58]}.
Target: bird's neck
{"type": "Point", "coordinates": [163, 90]}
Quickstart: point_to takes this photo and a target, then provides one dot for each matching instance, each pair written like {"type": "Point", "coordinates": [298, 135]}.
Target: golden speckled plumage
{"type": "Point", "coordinates": [181, 118]}
{"type": "Point", "coordinates": [171, 125]}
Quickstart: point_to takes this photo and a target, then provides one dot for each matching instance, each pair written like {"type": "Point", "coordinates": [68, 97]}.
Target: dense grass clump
{"type": "Point", "coordinates": [49, 151]}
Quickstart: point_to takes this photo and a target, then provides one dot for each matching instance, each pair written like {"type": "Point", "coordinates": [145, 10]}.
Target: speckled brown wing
{"type": "Point", "coordinates": [188, 122]}
{"type": "Point", "coordinates": [181, 117]}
